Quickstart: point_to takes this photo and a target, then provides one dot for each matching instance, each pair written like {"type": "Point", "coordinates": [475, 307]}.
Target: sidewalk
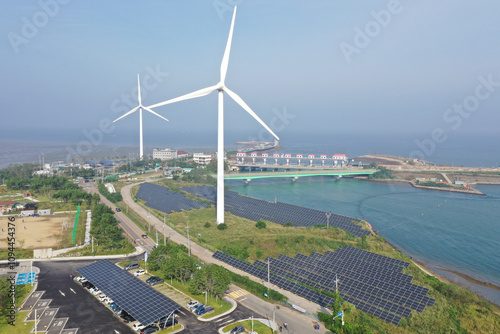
{"type": "Point", "coordinates": [138, 251]}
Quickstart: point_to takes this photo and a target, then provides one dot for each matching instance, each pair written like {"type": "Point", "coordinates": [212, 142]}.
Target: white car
{"type": "Point", "coordinates": [138, 326]}
{"type": "Point", "coordinates": [81, 279]}
{"type": "Point", "coordinates": [108, 300]}
{"type": "Point", "coordinates": [140, 272]}
{"type": "Point", "coordinates": [102, 297]}
{"type": "Point", "coordinates": [95, 291]}
{"type": "Point", "coordinates": [192, 304]}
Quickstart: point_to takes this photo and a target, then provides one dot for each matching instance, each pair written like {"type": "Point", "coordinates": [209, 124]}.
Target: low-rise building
{"type": "Point", "coordinates": [164, 154]}
{"type": "Point", "coordinates": [202, 158]}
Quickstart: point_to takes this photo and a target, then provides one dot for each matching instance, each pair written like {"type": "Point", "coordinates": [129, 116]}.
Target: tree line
{"type": "Point", "coordinates": [105, 229]}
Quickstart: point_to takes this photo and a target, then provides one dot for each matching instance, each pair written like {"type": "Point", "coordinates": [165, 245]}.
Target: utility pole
{"type": "Point", "coordinates": [189, 242]}
{"type": "Point", "coordinates": [164, 233]}
{"type": "Point", "coordinates": [268, 276]}
{"type": "Point", "coordinates": [336, 284]}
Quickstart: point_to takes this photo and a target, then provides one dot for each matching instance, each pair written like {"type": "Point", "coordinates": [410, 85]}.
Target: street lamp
{"type": "Point", "coordinates": [328, 215]}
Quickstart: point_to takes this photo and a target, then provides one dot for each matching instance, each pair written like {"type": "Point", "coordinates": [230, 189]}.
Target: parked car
{"type": "Point", "coordinates": [81, 279]}
{"type": "Point", "coordinates": [95, 290]}
{"type": "Point", "coordinates": [133, 265]}
{"type": "Point", "coordinates": [162, 324]}
{"type": "Point", "coordinates": [237, 329]}
{"type": "Point", "coordinates": [150, 329]}
{"type": "Point", "coordinates": [102, 297]}
{"type": "Point", "coordinates": [117, 310]}
{"type": "Point", "coordinates": [192, 303]}
{"type": "Point", "coordinates": [140, 272]}
{"type": "Point", "coordinates": [88, 285]}
{"type": "Point", "coordinates": [112, 305]}
{"type": "Point", "coordinates": [196, 307]}
{"type": "Point", "coordinates": [205, 310]}
{"type": "Point", "coordinates": [126, 317]}
{"type": "Point", "coordinates": [156, 280]}
{"type": "Point", "coordinates": [108, 300]}
{"type": "Point", "coordinates": [138, 326]}
{"type": "Point", "coordinates": [201, 310]}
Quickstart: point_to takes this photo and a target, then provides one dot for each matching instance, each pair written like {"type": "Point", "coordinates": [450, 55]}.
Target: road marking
{"type": "Point", "coordinates": [182, 312]}
{"type": "Point", "coordinates": [222, 319]}
{"type": "Point", "coordinates": [228, 321]}
{"type": "Point", "coordinates": [72, 291]}
{"type": "Point", "coordinates": [238, 293]}
{"type": "Point", "coordinates": [62, 293]}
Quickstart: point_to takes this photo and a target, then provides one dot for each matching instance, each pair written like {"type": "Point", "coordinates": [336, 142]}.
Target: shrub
{"type": "Point", "coordinates": [260, 224]}
{"type": "Point", "coordinates": [289, 224]}
{"type": "Point", "coordinates": [222, 226]}
{"type": "Point", "coordinates": [207, 225]}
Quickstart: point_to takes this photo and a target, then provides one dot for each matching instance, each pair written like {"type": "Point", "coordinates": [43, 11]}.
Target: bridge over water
{"type": "Point", "coordinates": [295, 174]}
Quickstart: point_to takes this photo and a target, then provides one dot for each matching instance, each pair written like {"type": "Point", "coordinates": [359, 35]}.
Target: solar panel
{"type": "Point", "coordinates": [280, 213]}
{"type": "Point", "coordinates": [372, 282]}
{"type": "Point", "coordinates": [137, 298]}
{"type": "Point", "coordinates": [162, 199]}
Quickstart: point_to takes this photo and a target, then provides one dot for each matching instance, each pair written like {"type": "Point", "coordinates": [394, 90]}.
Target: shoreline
{"type": "Point", "coordinates": [424, 267]}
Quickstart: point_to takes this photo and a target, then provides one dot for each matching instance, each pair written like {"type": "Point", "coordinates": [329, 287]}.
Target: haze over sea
{"type": "Point", "coordinates": [451, 231]}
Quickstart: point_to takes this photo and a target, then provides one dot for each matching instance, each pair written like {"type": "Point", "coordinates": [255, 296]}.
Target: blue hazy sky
{"type": "Point", "coordinates": [307, 67]}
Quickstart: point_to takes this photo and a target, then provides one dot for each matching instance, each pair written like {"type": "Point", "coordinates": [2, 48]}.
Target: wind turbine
{"type": "Point", "coordinates": [140, 107]}
{"type": "Point", "coordinates": [220, 87]}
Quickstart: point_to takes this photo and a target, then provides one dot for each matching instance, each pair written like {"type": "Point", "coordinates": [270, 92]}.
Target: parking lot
{"type": "Point", "coordinates": [76, 308]}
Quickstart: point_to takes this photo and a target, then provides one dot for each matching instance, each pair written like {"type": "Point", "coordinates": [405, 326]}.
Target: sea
{"type": "Point", "coordinates": [451, 233]}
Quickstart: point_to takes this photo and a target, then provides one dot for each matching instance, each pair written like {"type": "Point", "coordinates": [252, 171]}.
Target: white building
{"type": "Point", "coordinates": [164, 154]}
{"type": "Point", "coordinates": [202, 158]}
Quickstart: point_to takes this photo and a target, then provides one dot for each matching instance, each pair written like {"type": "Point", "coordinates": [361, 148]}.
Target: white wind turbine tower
{"type": "Point", "coordinates": [220, 87]}
{"type": "Point", "coordinates": [140, 107]}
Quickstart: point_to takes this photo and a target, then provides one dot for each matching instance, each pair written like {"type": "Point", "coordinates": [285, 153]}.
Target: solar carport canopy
{"type": "Point", "coordinates": [137, 298]}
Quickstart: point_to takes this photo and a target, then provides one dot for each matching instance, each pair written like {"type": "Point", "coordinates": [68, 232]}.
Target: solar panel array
{"type": "Point", "coordinates": [162, 199]}
{"type": "Point", "coordinates": [137, 298]}
{"type": "Point", "coordinates": [373, 283]}
{"type": "Point", "coordinates": [280, 213]}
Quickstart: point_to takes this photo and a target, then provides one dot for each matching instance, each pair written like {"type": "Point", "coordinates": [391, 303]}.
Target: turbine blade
{"type": "Point", "coordinates": [225, 59]}
{"type": "Point", "coordinates": [139, 89]}
{"type": "Point", "coordinates": [242, 103]}
{"type": "Point", "coordinates": [198, 93]}
{"type": "Point", "coordinates": [151, 111]}
{"type": "Point", "coordinates": [125, 115]}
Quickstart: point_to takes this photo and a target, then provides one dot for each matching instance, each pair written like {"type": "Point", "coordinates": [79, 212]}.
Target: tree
{"type": "Point", "coordinates": [260, 224]}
